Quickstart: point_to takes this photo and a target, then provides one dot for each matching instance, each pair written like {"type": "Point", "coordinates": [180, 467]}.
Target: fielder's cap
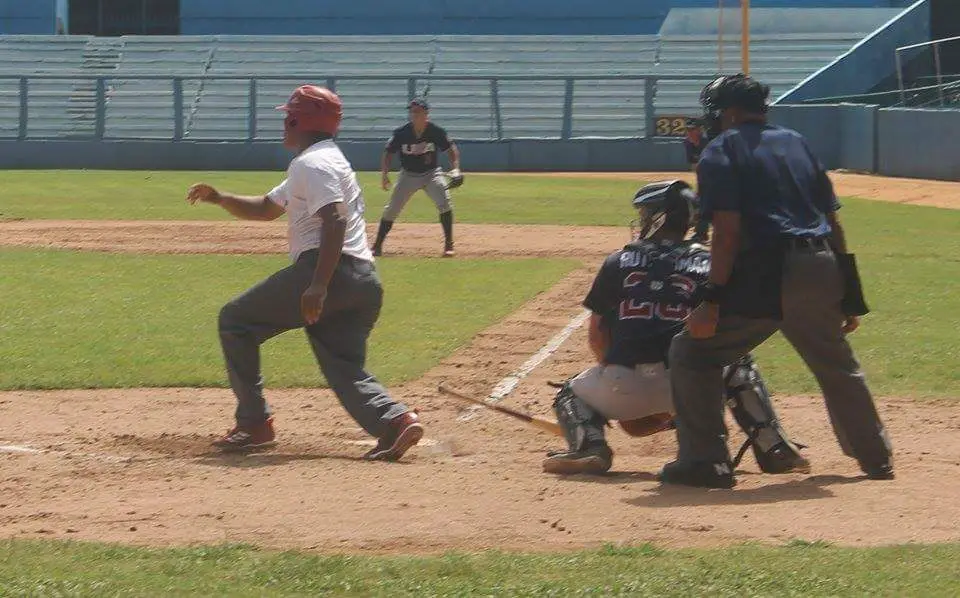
{"type": "Point", "coordinates": [419, 103]}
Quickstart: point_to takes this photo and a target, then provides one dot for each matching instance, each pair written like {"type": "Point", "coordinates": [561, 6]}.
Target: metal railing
{"type": "Point", "coordinates": [937, 65]}
{"type": "Point", "coordinates": [103, 93]}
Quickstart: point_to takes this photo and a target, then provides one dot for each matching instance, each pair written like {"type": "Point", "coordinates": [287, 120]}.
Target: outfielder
{"type": "Point", "coordinates": [639, 301]}
{"type": "Point", "coordinates": [418, 142]}
{"type": "Point", "coordinates": [331, 288]}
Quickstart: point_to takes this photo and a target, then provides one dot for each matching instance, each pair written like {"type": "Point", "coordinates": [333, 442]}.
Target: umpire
{"type": "Point", "coordinates": [779, 262]}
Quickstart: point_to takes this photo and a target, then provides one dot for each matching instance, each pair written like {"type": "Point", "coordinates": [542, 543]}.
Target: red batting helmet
{"type": "Point", "coordinates": [313, 109]}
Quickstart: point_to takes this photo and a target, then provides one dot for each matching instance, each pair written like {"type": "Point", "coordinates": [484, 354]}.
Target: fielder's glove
{"type": "Point", "coordinates": [454, 178]}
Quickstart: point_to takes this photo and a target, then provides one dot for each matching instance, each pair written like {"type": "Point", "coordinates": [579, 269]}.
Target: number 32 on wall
{"type": "Point", "coordinates": [672, 126]}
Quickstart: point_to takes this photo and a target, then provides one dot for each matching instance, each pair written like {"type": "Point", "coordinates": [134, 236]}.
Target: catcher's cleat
{"type": "Point", "coordinates": [403, 433]}
{"type": "Point", "coordinates": [783, 458]}
{"type": "Point", "coordinates": [595, 459]}
{"type": "Point", "coordinates": [248, 438]}
{"type": "Point", "coordinates": [698, 474]}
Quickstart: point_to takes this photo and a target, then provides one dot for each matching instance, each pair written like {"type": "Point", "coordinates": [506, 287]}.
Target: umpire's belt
{"type": "Point", "coordinates": [796, 243]}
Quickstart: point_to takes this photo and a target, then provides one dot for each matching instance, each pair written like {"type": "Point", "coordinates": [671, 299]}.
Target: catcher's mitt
{"type": "Point", "coordinates": [647, 426]}
{"type": "Point", "coordinates": [454, 178]}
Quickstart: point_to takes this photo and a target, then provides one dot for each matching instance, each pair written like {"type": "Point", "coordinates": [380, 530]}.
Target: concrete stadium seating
{"type": "Point", "coordinates": [48, 104]}
{"type": "Point", "coordinates": [780, 61]}
{"type": "Point", "coordinates": [217, 109]}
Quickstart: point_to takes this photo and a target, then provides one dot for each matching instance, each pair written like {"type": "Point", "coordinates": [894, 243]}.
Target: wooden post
{"type": "Point", "coordinates": [745, 35]}
{"type": "Point", "coordinates": [720, 40]}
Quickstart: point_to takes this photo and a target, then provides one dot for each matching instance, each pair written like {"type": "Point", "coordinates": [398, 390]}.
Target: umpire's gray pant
{"type": "Point", "coordinates": [408, 183]}
{"type": "Point", "coordinates": [812, 318]}
{"type": "Point", "coordinates": [339, 339]}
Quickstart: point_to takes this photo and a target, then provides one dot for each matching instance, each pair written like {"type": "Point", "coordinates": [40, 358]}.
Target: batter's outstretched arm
{"type": "Point", "coordinates": [244, 207]}
{"type": "Point", "coordinates": [333, 229]}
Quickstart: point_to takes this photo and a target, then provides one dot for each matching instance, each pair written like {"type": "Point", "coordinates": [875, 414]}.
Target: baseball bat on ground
{"type": "Point", "coordinates": [544, 424]}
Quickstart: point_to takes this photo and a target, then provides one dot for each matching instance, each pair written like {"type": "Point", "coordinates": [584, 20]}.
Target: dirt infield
{"type": "Point", "coordinates": [939, 194]}
{"type": "Point", "coordinates": [135, 465]}
{"type": "Point", "coordinates": [474, 240]}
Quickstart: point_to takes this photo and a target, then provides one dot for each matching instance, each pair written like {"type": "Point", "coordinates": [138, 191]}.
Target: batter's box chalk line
{"type": "Point", "coordinates": [18, 449]}
{"type": "Point", "coordinates": [509, 383]}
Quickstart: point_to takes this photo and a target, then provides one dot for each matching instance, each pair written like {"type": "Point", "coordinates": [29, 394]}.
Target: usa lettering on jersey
{"type": "Point", "coordinates": [418, 149]}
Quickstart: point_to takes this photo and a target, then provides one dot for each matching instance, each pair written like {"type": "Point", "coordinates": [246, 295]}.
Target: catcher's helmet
{"type": "Point", "coordinates": [313, 109]}
{"type": "Point", "coordinates": [666, 202]}
{"type": "Point", "coordinates": [729, 91]}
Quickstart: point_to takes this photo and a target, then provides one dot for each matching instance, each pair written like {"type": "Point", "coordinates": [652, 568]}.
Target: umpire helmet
{"type": "Point", "coordinates": [313, 109]}
{"type": "Point", "coordinates": [732, 91]}
{"type": "Point", "coordinates": [667, 203]}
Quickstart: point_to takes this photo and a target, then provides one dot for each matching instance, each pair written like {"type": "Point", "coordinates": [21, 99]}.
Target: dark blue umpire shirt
{"type": "Point", "coordinates": [769, 175]}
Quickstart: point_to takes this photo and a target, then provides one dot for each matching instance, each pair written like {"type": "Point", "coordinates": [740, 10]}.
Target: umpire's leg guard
{"type": "Point", "coordinates": [749, 401]}
{"type": "Point", "coordinates": [587, 449]}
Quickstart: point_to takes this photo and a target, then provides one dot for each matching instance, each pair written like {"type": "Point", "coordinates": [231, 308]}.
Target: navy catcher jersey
{"type": "Point", "coordinates": [418, 154]}
{"type": "Point", "coordinates": [644, 292]}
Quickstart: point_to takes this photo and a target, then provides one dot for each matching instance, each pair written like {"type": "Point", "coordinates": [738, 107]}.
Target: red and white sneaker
{"type": "Point", "coordinates": [404, 433]}
{"type": "Point", "coordinates": [248, 438]}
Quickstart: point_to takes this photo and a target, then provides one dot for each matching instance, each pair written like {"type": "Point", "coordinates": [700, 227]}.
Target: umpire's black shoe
{"type": "Point", "coordinates": [783, 458]}
{"type": "Point", "coordinates": [699, 474]}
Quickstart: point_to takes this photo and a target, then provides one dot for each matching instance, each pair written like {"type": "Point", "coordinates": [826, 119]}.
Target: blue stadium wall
{"type": "Point", "coordinates": [28, 16]}
{"type": "Point", "coordinates": [477, 17]}
{"type": "Point", "coordinates": [372, 17]}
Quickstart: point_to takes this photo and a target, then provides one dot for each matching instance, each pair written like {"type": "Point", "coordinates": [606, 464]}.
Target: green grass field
{"type": "Point", "coordinates": [138, 195]}
{"type": "Point", "coordinates": [71, 319]}
{"type": "Point", "coordinates": [36, 568]}
{"type": "Point", "coordinates": [78, 305]}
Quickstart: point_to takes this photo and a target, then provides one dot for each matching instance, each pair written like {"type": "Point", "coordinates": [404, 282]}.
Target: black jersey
{"type": "Point", "coordinates": [418, 154]}
{"type": "Point", "coordinates": [644, 292]}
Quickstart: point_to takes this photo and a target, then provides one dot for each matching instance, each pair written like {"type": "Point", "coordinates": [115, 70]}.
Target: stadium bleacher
{"type": "Point", "coordinates": [218, 109]}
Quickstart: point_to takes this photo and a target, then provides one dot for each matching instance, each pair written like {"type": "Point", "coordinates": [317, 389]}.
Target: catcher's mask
{"type": "Point", "coordinates": [731, 91]}
{"type": "Point", "coordinates": [667, 203]}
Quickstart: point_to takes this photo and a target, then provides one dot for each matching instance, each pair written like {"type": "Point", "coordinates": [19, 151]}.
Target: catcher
{"type": "Point", "coordinates": [639, 301]}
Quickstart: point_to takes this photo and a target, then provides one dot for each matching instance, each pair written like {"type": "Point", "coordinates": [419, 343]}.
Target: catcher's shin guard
{"type": "Point", "coordinates": [587, 449]}
{"type": "Point", "coordinates": [749, 402]}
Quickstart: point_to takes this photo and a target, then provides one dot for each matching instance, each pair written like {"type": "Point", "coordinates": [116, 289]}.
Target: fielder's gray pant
{"type": "Point", "coordinates": [408, 183]}
{"type": "Point", "coordinates": [812, 290]}
{"type": "Point", "coordinates": [339, 339]}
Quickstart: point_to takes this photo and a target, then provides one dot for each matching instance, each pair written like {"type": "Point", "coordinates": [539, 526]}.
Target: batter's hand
{"type": "Point", "coordinates": [311, 303]}
{"type": "Point", "coordinates": [702, 323]}
{"type": "Point", "coordinates": [850, 324]}
{"type": "Point", "coordinates": [385, 182]}
{"type": "Point", "coordinates": [202, 192]}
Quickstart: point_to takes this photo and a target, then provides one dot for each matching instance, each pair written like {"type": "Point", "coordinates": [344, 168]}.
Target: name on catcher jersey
{"type": "Point", "coordinates": [644, 292]}
{"type": "Point", "coordinates": [418, 153]}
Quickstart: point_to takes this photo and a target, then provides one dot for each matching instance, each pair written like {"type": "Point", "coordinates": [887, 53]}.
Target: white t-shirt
{"type": "Point", "coordinates": [320, 176]}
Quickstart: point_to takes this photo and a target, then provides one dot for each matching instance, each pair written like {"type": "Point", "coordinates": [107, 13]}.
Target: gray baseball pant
{"type": "Point", "coordinates": [812, 291]}
{"type": "Point", "coordinates": [408, 183]}
{"type": "Point", "coordinates": [339, 339]}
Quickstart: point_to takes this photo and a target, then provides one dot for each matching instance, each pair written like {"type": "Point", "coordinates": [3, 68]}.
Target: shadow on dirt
{"type": "Point", "coordinates": [810, 488]}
